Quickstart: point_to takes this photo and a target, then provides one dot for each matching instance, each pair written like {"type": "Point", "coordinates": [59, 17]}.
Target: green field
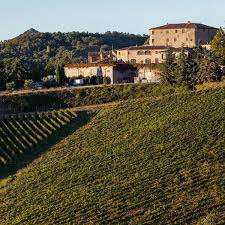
{"type": "Point", "coordinates": [21, 133]}
{"type": "Point", "coordinates": [140, 162]}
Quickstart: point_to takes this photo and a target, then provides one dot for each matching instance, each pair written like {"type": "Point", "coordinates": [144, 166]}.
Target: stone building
{"type": "Point", "coordinates": [148, 74]}
{"type": "Point", "coordinates": [118, 73]}
{"type": "Point", "coordinates": [145, 54]}
{"type": "Point", "coordinates": [188, 35]}
{"type": "Point", "coordinates": [102, 56]}
{"type": "Point", "coordinates": [183, 34]}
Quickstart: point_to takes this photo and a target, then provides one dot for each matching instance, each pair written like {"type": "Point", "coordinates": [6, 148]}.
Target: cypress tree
{"type": "Point", "coordinates": [168, 68]}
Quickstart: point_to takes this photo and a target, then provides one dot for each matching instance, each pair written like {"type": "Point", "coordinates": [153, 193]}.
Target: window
{"type": "Point", "coordinates": [119, 53]}
{"type": "Point", "coordinates": [183, 31]}
{"type": "Point", "coordinates": [167, 32]}
{"type": "Point", "coordinates": [156, 52]}
{"type": "Point", "coordinates": [186, 39]}
{"type": "Point", "coordinates": [167, 40]}
{"type": "Point", "coordinates": [176, 31]}
{"type": "Point", "coordinates": [153, 41]}
{"type": "Point", "coordinates": [162, 56]}
{"type": "Point", "coordinates": [140, 53]}
{"type": "Point", "coordinates": [148, 61]}
{"type": "Point", "coordinates": [204, 30]}
{"type": "Point", "coordinates": [153, 32]}
{"type": "Point", "coordinates": [133, 61]}
{"type": "Point", "coordinates": [148, 52]}
{"type": "Point", "coordinates": [156, 60]}
{"type": "Point", "coordinates": [175, 39]}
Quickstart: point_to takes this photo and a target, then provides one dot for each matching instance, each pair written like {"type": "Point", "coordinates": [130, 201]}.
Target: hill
{"type": "Point", "coordinates": [21, 133]}
{"type": "Point", "coordinates": [140, 162]}
{"type": "Point", "coordinates": [35, 47]}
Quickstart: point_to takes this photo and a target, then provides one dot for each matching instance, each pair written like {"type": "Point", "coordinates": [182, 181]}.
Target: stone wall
{"type": "Point", "coordinates": [114, 72]}
{"type": "Point", "coordinates": [204, 36]}
{"type": "Point", "coordinates": [89, 71]}
{"type": "Point", "coordinates": [140, 56]}
{"type": "Point", "coordinates": [173, 37]}
{"type": "Point", "coordinates": [187, 37]}
{"type": "Point", "coordinates": [147, 74]}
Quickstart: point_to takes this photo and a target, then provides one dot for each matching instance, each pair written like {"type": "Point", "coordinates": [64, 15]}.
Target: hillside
{"type": "Point", "coordinates": [21, 133]}
{"type": "Point", "coordinates": [35, 47]}
{"type": "Point", "coordinates": [140, 162]}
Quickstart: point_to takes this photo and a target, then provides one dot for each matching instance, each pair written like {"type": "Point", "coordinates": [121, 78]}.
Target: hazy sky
{"type": "Point", "coordinates": [134, 16]}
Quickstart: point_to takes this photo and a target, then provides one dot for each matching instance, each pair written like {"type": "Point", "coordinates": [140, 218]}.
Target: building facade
{"type": "Point", "coordinates": [102, 56]}
{"type": "Point", "coordinates": [118, 73]}
{"type": "Point", "coordinates": [145, 54]}
{"type": "Point", "coordinates": [148, 74]}
{"type": "Point", "coordinates": [183, 34]}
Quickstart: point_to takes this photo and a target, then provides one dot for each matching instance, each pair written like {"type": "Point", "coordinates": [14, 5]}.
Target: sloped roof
{"type": "Point", "coordinates": [149, 47]}
{"type": "Point", "coordinates": [87, 65]}
{"type": "Point", "coordinates": [144, 47]}
{"type": "Point", "coordinates": [187, 25]}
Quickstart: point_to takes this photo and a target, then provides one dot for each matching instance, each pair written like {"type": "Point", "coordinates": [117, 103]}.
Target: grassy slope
{"type": "Point", "coordinates": [143, 162]}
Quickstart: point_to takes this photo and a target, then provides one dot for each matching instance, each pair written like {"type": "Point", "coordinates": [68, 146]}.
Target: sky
{"type": "Point", "coordinates": [133, 16]}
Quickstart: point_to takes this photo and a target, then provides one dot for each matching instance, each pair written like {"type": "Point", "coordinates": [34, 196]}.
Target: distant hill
{"type": "Point", "coordinates": [140, 162]}
{"type": "Point", "coordinates": [37, 47]}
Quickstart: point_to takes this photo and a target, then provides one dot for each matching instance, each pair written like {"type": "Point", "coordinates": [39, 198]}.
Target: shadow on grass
{"type": "Point", "coordinates": [28, 157]}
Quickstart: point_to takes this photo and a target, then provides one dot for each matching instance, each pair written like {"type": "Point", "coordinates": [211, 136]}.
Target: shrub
{"type": "Point", "coordinates": [10, 86]}
{"type": "Point", "coordinates": [28, 84]}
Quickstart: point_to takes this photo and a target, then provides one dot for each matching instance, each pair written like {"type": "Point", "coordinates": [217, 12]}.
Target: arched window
{"type": "Point", "coordinates": [148, 61]}
{"type": "Point", "coordinates": [148, 52]}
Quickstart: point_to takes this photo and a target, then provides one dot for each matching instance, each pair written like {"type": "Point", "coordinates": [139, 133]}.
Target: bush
{"type": "Point", "coordinates": [11, 86]}
{"type": "Point", "coordinates": [85, 96]}
{"type": "Point", "coordinates": [29, 84]}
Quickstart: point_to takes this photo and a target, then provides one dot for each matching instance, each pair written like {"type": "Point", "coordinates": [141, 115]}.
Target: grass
{"type": "Point", "coordinates": [21, 133]}
{"type": "Point", "coordinates": [140, 162]}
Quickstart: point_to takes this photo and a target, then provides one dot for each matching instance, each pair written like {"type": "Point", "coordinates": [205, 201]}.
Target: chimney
{"type": "Point", "coordinates": [189, 21]}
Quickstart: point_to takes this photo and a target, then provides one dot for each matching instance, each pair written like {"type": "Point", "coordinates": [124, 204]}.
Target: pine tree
{"type": "Point", "coordinates": [60, 76]}
{"type": "Point", "coordinates": [186, 71]}
{"type": "Point", "coordinates": [168, 68]}
{"type": "Point", "coordinates": [36, 74]}
{"type": "Point", "coordinates": [209, 69]}
{"type": "Point", "coordinates": [218, 46]}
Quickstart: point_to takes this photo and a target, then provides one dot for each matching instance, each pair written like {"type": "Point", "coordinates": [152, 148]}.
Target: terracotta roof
{"type": "Point", "coordinates": [104, 53]}
{"type": "Point", "coordinates": [144, 47]}
{"type": "Point", "coordinates": [149, 47]}
{"type": "Point", "coordinates": [83, 65]}
{"type": "Point", "coordinates": [183, 26]}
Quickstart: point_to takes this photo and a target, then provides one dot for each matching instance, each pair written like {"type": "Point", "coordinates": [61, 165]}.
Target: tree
{"type": "Point", "coordinates": [218, 46]}
{"type": "Point", "coordinates": [209, 69]}
{"type": "Point", "coordinates": [186, 70]}
{"type": "Point", "coordinates": [60, 75]}
{"type": "Point", "coordinates": [14, 71]}
{"type": "Point", "coordinates": [168, 68]}
{"type": "Point", "coordinates": [36, 73]}
{"type": "Point", "coordinates": [3, 76]}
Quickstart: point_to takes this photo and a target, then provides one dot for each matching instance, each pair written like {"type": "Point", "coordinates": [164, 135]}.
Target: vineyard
{"type": "Point", "coordinates": [21, 133]}
{"type": "Point", "coordinates": [140, 162]}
